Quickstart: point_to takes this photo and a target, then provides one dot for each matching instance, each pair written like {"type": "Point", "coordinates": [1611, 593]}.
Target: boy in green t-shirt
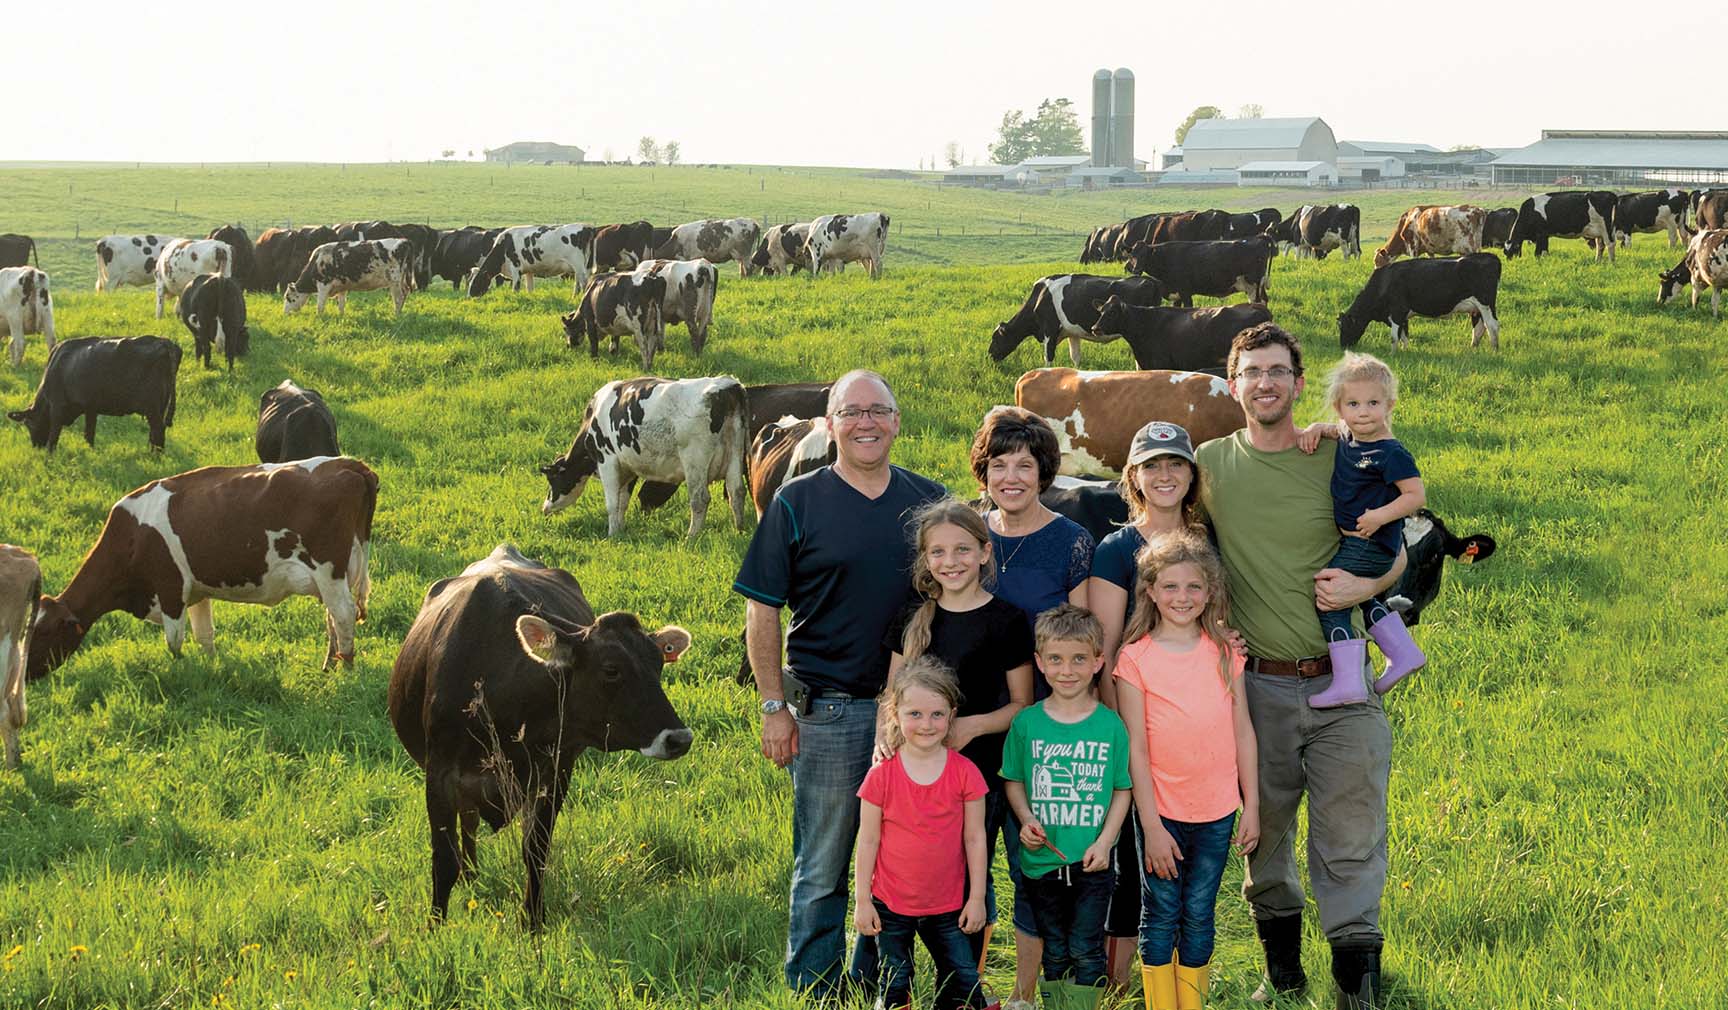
{"type": "Point", "coordinates": [1065, 768]}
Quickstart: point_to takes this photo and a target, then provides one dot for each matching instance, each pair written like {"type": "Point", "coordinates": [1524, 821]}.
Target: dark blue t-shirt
{"type": "Point", "coordinates": [1364, 476]}
{"type": "Point", "coordinates": [1038, 571]}
{"type": "Point", "coordinates": [842, 562]}
{"type": "Point", "coordinates": [1114, 563]}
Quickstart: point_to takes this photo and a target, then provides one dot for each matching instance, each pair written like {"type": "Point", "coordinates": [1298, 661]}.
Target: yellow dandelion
{"type": "Point", "coordinates": [77, 950]}
{"type": "Point", "coordinates": [498, 915]}
{"type": "Point", "coordinates": [473, 903]}
{"type": "Point", "coordinates": [290, 975]}
{"type": "Point", "coordinates": [228, 983]}
{"type": "Point", "coordinates": [350, 962]}
{"type": "Point", "coordinates": [1405, 885]}
{"type": "Point", "coordinates": [14, 952]}
{"type": "Point", "coordinates": [250, 947]}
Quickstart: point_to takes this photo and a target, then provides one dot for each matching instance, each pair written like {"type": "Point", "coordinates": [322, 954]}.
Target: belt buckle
{"type": "Point", "coordinates": [1310, 667]}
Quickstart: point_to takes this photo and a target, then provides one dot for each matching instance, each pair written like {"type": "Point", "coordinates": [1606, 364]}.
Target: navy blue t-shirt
{"type": "Point", "coordinates": [1114, 563]}
{"type": "Point", "coordinates": [1364, 476]}
{"type": "Point", "coordinates": [1038, 571]}
{"type": "Point", "coordinates": [842, 562]}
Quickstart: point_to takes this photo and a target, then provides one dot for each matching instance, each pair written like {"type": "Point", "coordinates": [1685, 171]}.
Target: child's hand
{"type": "Point", "coordinates": [1162, 855]}
{"type": "Point", "coordinates": [1248, 831]}
{"type": "Point", "coordinates": [1032, 835]}
{"type": "Point", "coordinates": [1233, 639]}
{"type": "Point", "coordinates": [1097, 857]}
{"type": "Point", "coordinates": [866, 919]}
{"type": "Point", "coordinates": [1368, 523]}
{"type": "Point", "coordinates": [1308, 439]}
{"type": "Point", "coordinates": [971, 917]}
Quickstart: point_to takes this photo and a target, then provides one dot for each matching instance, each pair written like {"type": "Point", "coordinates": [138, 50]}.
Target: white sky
{"type": "Point", "coordinates": [861, 83]}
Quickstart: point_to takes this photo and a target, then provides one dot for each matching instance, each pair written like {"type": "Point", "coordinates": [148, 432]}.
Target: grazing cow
{"type": "Point", "coordinates": [1320, 229]}
{"type": "Point", "coordinates": [1062, 305]}
{"type": "Point", "coordinates": [18, 250]}
{"type": "Point", "coordinates": [1188, 226]}
{"type": "Point", "coordinates": [714, 241]}
{"type": "Point", "coordinates": [1091, 251]}
{"type": "Point", "coordinates": [294, 423]}
{"type": "Point", "coordinates": [459, 253]}
{"type": "Point", "coordinates": [245, 264]}
{"type": "Point", "coordinates": [183, 259]}
{"type": "Point", "coordinates": [1427, 545]}
{"type": "Point", "coordinates": [103, 376]}
{"type": "Point", "coordinates": [673, 431]}
{"type": "Point", "coordinates": [214, 309]}
{"type": "Point", "coordinates": [788, 448]}
{"type": "Point", "coordinates": [1255, 223]}
{"type": "Point", "coordinates": [616, 304]}
{"type": "Point", "coordinates": [769, 403]}
{"type": "Point", "coordinates": [1705, 266]}
{"type": "Point", "coordinates": [504, 679]}
{"type": "Point", "coordinates": [1497, 227]}
{"type": "Point", "coordinates": [1589, 216]}
{"type": "Point", "coordinates": [1434, 231]}
{"type": "Point", "coordinates": [620, 246]}
{"type": "Point", "coordinates": [1095, 414]}
{"type": "Point", "coordinates": [27, 306]}
{"type": "Point", "coordinates": [1216, 269]}
{"type": "Point", "coordinates": [689, 297]}
{"type": "Point", "coordinates": [245, 534]}
{"type": "Point", "coordinates": [336, 268]}
{"type": "Point", "coordinates": [1710, 209]}
{"type": "Point", "coordinates": [1433, 288]}
{"type": "Point", "coordinates": [1659, 210]}
{"type": "Point", "coordinates": [848, 238]}
{"type": "Point", "coordinates": [422, 244]}
{"type": "Point", "coordinates": [1180, 340]}
{"type": "Point", "coordinates": [127, 259]}
{"type": "Point", "coordinates": [1283, 233]}
{"type": "Point", "coordinates": [782, 249]}
{"type": "Point", "coordinates": [528, 251]}
{"type": "Point", "coordinates": [1097, 505]}
{"type": "Point", "coordinates": [282, 255]}
{"type": "Point", "coordinates": [20, 588]}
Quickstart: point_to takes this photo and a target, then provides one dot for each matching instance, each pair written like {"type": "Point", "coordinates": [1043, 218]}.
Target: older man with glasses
{"type": "Point", "coordinates": [833, 546]}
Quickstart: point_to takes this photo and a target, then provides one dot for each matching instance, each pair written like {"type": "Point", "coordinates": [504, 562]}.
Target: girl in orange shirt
{"type": "Point", "coordinates": [1191, 755]}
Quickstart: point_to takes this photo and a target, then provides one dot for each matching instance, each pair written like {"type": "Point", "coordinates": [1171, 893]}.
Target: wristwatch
{"type": "Point", "coordinates": [773, 705]}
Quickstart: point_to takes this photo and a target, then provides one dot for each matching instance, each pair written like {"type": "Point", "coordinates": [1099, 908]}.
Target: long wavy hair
{"type": "Point", "coordinates": [926, 672]}
{"type": "Point", "coordinates": [942, 512]}
{"type": "Point", "coordinates": [1176, 547]}
{"type": "Point", "coordinates": [1138, 507]}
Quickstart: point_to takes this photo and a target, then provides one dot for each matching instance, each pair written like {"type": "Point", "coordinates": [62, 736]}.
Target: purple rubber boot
{"type": "Point", "coordinates": [1403, 655]}
{"type": "Point", "coordinates": [1347, 687]}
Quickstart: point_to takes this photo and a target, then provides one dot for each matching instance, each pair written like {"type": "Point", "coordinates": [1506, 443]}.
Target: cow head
{"type": "Point", "coordinates": [1112, 317]}
{"type": "Point", "coordinates": [1673, 282]}
{"type": "Point", "coordinates": [1139, 259]}
{"type": "Point", "coordinates": [293, 300]}
{"type": "Point", "coordinates": [760, 259]}
{"type": "Point", "coordinates": [572, 327]}
{"type": "Point", "coordinates": [1381, 257]}
{"type": "Point", "coordinates": [615, 668]}
{"type": "Point", "coordinates": [35, 422]}
{"type": "Point", "coordinates": [1350, 328]}
{"type": "Point", "coordinates": [1002, 342]}
{"type": "Point", "coordinates": [56, 634]}
{"type": "Point", "coordinates": [567, 475]}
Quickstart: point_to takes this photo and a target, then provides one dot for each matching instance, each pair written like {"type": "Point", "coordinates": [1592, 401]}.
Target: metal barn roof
{"type": "Point", "coordinates": [1371, 148]}
{"type": "Point", "coordinates": [1628, 149]}
{"type": "Point", "coordinates": [1057, 161]}
{"type": "Point", "coordinates": [1238, 134]}
{"type": "Point", "coordinates": [1282, 166]}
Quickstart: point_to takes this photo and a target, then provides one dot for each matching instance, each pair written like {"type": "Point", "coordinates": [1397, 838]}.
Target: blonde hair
{"type": "Point", "coordinates": [1067, 623]}
{"type": "Point", "coordinates": [1359, 368]}
{"type": "Point", "coordinates": [925, 672]}
{"type": "Point", "coordinates": [941, 512]}
{"type": "Point", "coordinates": [1178, 547]}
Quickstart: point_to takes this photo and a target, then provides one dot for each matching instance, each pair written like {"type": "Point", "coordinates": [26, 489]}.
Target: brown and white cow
{"type": "Point", "coordinates": [20, 588]}
{"type": "Point", "coordinates": [1705, 266]}
{"type": "Point", "coordinates": [185, 258]}
{"type": "Point", "coordinates": [835, 239]}
{"type": "Point", "coordinates": [689, 298]}
{"type": "Point", "coordinates": [336, 268]}
{"type": "Point", "coordinates": [616, 304]}
{"type": "Point", "coordinates": [245, 534]}
{"type": "Point", "coordinates": [715, 241]}
{"type": "Point", "coordinates": [788, 448]}
{"type": "Point", "coordinates": [128, 259]}
{"type": "Point", "coordinates": [1435, 231]}
{"type": "Point", "coordinates": [27, 306]}
{"type": "Point", "coordinates": [1096, 414]}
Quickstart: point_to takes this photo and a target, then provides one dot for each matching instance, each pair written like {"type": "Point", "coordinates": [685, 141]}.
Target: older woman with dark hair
{"type": "Point", "coordinates": [1043, 559]}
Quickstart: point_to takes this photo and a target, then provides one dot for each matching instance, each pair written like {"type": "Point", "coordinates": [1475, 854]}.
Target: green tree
{"type": "Point", "coordinates": [647, 149]}
{"type": "Point", "coordinates": [1013, 139]}
{"type": "Point", "coordinates": [1054, 130]}
{"type": "Point", "coordinates": [669, 152]}
{"type": "Point", "coordinates": [1203, 112]}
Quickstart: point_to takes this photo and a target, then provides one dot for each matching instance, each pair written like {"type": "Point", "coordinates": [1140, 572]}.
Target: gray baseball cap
{"type": "Point", "coordinates": [1160, 438]}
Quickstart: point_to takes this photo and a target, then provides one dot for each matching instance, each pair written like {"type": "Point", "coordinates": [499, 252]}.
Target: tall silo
{"type": "Point", "coordinates": [1101, 119]}
{"type": "Point", "coordinates": [1121, 117]}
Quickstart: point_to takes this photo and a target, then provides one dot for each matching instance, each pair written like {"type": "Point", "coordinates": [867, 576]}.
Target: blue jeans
{"type": "Point", "coordinates": [834, 744]}
{"type": "Point", "coordinates": [950, 953]}
{"type": "Point", "coordinates": [1070, 906]}
{"type": "Point", "coordinates": [1179, 913]}
{"type": "Point", "coordinates": [999, 817]}
{"type": "Point", "coordinates": [1358, 556]}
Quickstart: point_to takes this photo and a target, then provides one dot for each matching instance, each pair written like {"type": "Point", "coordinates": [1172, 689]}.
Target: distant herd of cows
{"type": "Point", "coordinates": [299, 522]}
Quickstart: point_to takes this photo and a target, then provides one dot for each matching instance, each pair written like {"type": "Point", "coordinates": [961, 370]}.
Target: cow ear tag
{"type": "Point", "coordinates": [537, 637]}
{"type": "Point", "coordinates": [673, 641]}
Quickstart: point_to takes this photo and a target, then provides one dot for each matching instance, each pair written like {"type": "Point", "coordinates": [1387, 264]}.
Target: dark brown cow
{"type": "Point", "coordinates": [281, 255]}
{"type": "Point", "coordinates": [18, 251]}
{"type": "Point", "coordinates": [246, 534]}
{"type": "Point", "coordinates": [294, 423]}
{"type": "Point", "coordinates": [1184, 340]}
{"type": "Point", "coordinates": [505, 678]}
{"type": "Point", "coordinates": [621, 246]}
{"type": "Point", "coordinates": [243, 266]}
{"type": "Point", "coordinates": [1095, 414]}
{"type": "Point", "coordinates": [1710, 210]}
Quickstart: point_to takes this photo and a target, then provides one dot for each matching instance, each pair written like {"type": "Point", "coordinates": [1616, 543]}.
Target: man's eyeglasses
{"type": "Point", "coordinates": [877, 413]}
{"type": "Point", "coordinates": [1278, 373]}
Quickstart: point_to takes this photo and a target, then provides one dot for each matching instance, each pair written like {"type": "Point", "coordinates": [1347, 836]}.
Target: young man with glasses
{"type": "Point", "coordinates": [1271, 507]}
{"type": "Point", "coordinates": [833, 546]}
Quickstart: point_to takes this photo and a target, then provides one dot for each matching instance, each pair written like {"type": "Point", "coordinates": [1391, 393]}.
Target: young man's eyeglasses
{"type": "Point", "coordinates": [1278, 373]}
{"type": "Point", "coordinates": [877, 413]}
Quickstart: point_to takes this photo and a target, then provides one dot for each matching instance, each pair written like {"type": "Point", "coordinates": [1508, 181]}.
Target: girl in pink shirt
{"type": "Point", "coordinates": [920, 864]}
{"type": "Point", "coordinates": [1191, 755]}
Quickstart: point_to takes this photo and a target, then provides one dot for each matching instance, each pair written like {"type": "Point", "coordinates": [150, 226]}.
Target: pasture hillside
{"type": "Point", "coordinates": [245, 830]}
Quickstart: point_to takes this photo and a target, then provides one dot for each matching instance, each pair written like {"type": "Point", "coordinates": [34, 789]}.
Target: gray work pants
{"type": "Point", "coordinates": [1342, 757]}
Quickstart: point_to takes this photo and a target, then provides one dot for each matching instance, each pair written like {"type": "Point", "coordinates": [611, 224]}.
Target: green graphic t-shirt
{"type": "Point", "coordinates": [1070, 770]}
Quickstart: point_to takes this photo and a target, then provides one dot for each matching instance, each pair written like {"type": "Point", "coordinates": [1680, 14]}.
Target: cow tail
{"type": "Point", "coordinates": [359, 558]}
{"type": "Point", "coordinates": [33, 257]}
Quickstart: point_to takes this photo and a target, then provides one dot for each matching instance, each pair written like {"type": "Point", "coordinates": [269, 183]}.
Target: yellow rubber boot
{"type": "Point", "coordinates": [1160, 983]}
{"type": "Point", "coordinates": [1191, 984]}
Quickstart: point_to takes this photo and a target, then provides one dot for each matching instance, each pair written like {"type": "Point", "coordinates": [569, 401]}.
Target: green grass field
{"type": "Point", "coordinates": [246, 831]}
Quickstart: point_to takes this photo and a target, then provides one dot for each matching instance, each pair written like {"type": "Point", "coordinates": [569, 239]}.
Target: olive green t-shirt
{"type": "Point", "coordinates": [1272, 513]}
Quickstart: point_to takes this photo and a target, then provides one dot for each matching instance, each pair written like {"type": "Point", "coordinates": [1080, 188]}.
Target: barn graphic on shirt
{"type": "Point", "coordinates": [1054, 784]}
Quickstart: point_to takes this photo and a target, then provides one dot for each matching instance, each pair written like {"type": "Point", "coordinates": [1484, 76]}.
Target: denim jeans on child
{"type": "Point", "coordinates": [1358, 556]}
{"type": "Point", "coordinates": [950, 953]}
{"type": "Point", "coordinates": [1070, 906]}
{"type": "Point", "coordinates": [1179, 913]}
{"type": "Point", "coordinates": [999, 818]}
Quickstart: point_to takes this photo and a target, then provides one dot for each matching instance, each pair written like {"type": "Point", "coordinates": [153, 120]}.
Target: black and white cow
{"type": "Point", "coordinates": [18, 250]}
{"type": "Point", "coordinates": [1061, 305]}
{"type": "Point", "coordinates": [847, 238]}
{"type": "Point", "coordinates": [1182, 340]}
{"type": "Point", "coordinates": [1497, 227]}
{"type": "Point", "coordinates": [1320, 229]}
{"type": "Point", "coordinates": [715, 241]}
{"type": "Point", "coordinates": [1655, 211]}
{"type": "Point", "coordinates": [422, 244]}
{"type": "Point", "coordinates": [214, 309]}
{"type": "Point", "coordinates": [185, 258]}
{"type": "Point", "coordinates": [460, 252]}
{"type": "Point", "coordinates": [782, 249]}
{"type": "Point", "coordinates": [294, 423]}
{"type": "Point", "coordinates": [689, 298]}
{"type": "Point", "coordinates": [1217, 269]}
{"type": "Point", "coordinates": [525, 252]}
{"type": "Point", "coordinates": [111, 377]}
{"type": "Point", "coordinates": [128, 259]}
{"type": "Point", "coordinates": [1431, 287]}
{"type": "Point", "coordinates": [1705, 266]}
{"type": "Point", "coordinates": [690, 431]}
{"type": "Point", "coordinates": [1710, 209]}
{"type": "Point", "coordinates": [616, 304]}
{"type": "Point", "coordinates": [621, 246]}
{"type": "Point", "coordinates": [1252, 223]}
{"type": "Point", "coordinates": [1427, 545]}
{"type": "Point", "coordinates": [27, 306]}
{"type": "Point", "coordinates": [1589, 216]}
{"type": "Point", "coordinates": [337, 268]}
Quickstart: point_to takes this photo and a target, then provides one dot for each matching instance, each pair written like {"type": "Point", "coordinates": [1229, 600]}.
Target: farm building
{"type": "Point", "coordinates": [1371, 168]}
{"type": "Point", "coordinates": [1630, 158]}
{"type": "Point", "coordinates": [1383, 149]}
{"type": "Point", "coordinates": [535, 150]}
{"type": "Point", "coordinates": [987, 176]}
{"type": "Point", "coordinates": [1086, 177]}
{"type": "Point", "coordinates": [1287, 173]}
{"type": "Point", "coordinates": [1172, 158]}
{"type": "Point", "coordinates": [1213, 144]}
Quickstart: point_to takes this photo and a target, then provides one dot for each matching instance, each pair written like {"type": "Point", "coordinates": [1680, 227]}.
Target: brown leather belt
{"type": "Point", "coordinates": [1313, 666]}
